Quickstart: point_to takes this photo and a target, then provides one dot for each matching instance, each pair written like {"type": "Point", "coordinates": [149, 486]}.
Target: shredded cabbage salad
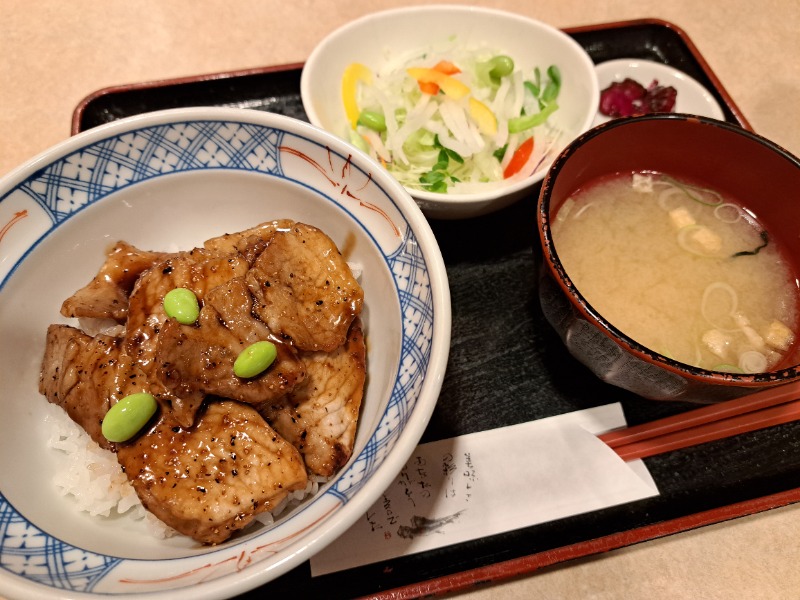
{"type": "Point", "coordinates": [453, 120]}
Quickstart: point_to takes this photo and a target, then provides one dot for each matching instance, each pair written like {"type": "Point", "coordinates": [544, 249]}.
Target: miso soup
{"type": "Point", "coordinates": [680, 269]}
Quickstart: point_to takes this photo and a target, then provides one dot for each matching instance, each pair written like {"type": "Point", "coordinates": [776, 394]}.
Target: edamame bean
{"type": "Point", "coordinates": [128, 416]}
{"type": "Point", "coordinates": [255, 359]}
{"type": "Point", "coordinates": [501, 66]}
{"type": "Point", "coordinates": [374, 120]}
{"type": "Point", "coordinates": [181, 304]}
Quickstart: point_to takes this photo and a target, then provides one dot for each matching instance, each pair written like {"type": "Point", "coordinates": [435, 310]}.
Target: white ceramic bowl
{"type": "Point", "coordinates": [170, 180]}
{"type": "Point", "coordinates": [385, 39]}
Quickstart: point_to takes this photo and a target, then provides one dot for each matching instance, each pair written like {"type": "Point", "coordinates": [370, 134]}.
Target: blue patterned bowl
{"type": "Point", "coordinates": [168, 181]}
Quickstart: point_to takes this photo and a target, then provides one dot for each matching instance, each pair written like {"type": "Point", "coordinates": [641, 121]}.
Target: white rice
{"type": "Point", "coordinates": [92, 476]}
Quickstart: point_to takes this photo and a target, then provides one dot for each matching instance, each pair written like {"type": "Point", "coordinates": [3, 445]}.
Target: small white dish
{"type": "Point", "coordinates": [692, 98]}
{"type": "Point", "coordinates": [169, 180]}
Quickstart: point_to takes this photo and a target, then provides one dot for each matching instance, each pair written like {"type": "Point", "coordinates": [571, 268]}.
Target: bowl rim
{"type": "Point", "coordinates": [461, 200]}
{"type": "Point", "coordinates": [553, 267]}
{"type": "Point", "coordinates": [431, 382]}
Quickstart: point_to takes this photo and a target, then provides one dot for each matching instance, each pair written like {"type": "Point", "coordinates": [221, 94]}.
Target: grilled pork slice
{"type": "Point", "coordinates": [249, 242]}
{"type": "Point", "coordinates": [234, 303]}
{"type": "Point", "coordinates": [106, 296]}
{"type": "Point", "coordinates": [198, 270]}
{"type": "Point", "coordinates": [209, 481]}
{"type": "Point", "coordinates": [319, 417]}
{"type": "Point", "coordinates": [304, 289]}
{"type": "Point", "coordinates": [198, 360]}
{"type": "Point", "coordinates": [87, 375]}
{"type": "Point", "coordinates": [206, 481]}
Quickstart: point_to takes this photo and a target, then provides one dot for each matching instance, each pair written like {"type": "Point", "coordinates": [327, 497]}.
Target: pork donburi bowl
{"type": "Point", "coordinates": [180, 187]}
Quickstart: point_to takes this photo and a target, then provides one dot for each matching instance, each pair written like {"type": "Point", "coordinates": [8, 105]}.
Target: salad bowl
{"type": "Point", "coordinates": [459, 159]}
{"type": "Point", "coordinates": [169, 180]}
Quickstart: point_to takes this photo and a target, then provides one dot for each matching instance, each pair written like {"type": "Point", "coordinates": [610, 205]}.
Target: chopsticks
{"type": "Point", "coordinates": [772, 406]}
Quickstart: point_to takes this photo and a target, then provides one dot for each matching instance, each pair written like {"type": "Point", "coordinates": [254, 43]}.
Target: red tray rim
{"type": "Point", "coordinates": [527, 565]}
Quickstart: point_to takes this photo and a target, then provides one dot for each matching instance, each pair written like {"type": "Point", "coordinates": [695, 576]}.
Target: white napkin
{"type": "Point", "coordinates": [486, 483]}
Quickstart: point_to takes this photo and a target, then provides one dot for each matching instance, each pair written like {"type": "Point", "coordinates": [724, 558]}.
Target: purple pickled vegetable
{"type": "Point", "coordinates": [621, 97]}
{"type": "Point", "coordinates": [630, 98]}
{"type": "Point", "coordinates": [661, 98]}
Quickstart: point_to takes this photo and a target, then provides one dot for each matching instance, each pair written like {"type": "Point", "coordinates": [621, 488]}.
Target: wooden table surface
{"type": "Point", "coordinates": [55, 53]}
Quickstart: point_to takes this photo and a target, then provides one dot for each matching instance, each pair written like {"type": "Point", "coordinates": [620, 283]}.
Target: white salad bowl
{"type": "Point", "coordinates": [387, 41]}
{"type": "Point", "coordinates": [168, 181]}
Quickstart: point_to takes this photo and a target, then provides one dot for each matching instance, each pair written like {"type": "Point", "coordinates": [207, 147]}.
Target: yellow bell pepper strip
{"type": "Point", "coordinates": [483, 116]}
{"type": "Point", "coordinates": [449, 85]}
{"type": "Point", "coordinates": [353, 74]}
{"type": "Point", "coordinates": [518, 160]}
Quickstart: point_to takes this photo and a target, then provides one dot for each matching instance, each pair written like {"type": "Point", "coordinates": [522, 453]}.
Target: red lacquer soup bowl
{"type": "Point", "coordinates": [726, 158]}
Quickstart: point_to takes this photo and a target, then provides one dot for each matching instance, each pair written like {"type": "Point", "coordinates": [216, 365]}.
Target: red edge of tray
{"type": "Point", "coordinates": [527, 565]}
{"type": "Point", "coordinates": [466, 580]}
{"type": "Point", "coordinates": [77, 114]}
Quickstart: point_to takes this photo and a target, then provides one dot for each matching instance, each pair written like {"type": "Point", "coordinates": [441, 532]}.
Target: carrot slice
{"type": "Point", "coordinates": [428, 87]}
{"type": "Point", "coordinates": [446, 67]}
{"type": "Point", "coordinates": [443, 66]}
{"type": "Point", "coordinates": [520, 157]}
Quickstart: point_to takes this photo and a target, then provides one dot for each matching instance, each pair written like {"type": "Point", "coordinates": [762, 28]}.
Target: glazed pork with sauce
{"type": "Point", "coordinates": [221, 448]}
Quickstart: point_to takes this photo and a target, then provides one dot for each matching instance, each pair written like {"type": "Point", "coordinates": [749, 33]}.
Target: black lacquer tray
{"type": "Point", "coordinates": [519, 371]}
